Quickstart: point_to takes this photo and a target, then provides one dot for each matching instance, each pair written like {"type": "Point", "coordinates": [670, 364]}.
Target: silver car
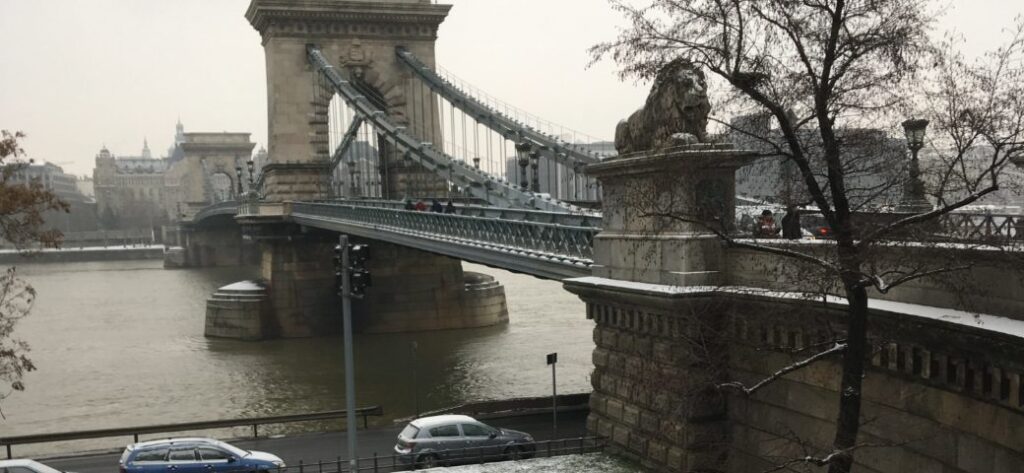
{"type": "Point", "coordinates": [444, 440]}
{"type": "Point", "coordinates": [25, 466]}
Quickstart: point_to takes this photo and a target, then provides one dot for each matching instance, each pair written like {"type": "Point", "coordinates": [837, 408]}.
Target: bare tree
{"type": "Point", "coordinates": [826, 72]}
{"type": "Point", "coordinates": [22, 205]}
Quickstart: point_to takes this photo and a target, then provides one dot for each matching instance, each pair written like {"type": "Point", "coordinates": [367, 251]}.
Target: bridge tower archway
{"type": "Point", "coordinates": [413, 290]}
{"type": "Point", "coordinates": [359, 37]}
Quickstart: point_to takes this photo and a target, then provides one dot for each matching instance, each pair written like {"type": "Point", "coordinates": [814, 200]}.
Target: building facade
{"type": "Point", "coordinates": [142, 191]}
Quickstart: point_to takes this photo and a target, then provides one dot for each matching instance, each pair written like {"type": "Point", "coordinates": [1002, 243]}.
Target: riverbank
{"type": "Point", "coordinates": [84, 255]}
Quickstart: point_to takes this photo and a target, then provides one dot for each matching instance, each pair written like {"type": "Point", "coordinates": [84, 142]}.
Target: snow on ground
{"type": "Point", "coordinates": [243, 286]}
{"type": "Point", "coordinates": [591, 463]}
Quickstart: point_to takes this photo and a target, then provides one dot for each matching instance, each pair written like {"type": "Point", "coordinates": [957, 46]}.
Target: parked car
{"type": "Point", "coordinates": [194, 455]}
{"type": "Point", "coordinates": [449, 439]}
{"type": "Point", "coordinates": [25, 466]}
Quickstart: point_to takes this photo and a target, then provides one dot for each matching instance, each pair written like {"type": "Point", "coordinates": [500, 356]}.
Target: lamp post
{"type": "Point", "coordinates": [523, 154]}
{"type": "Point", "coordinates": [913, 193]}
{"type": "Point", "coordinates": [535, 170]}
{"type": "Point", "coordinates": [238, 175]}
{"type": "Point", "coordinates": [352, 181]}
{"type": "Point", "coordinates": [252, 178]}
{"type": "Point", "coordinates": [488, 186]}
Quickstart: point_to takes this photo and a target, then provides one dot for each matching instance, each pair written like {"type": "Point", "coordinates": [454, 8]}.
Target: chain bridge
{"type": "Point", "coordinates": [363, 124]}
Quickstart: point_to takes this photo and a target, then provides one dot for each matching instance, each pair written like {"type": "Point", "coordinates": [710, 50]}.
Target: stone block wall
{"type": "Point", "coordinates": [300, 281]}
{"type": "Point", "coordinates": [936, 399]}
{"type": "Point", "coordinates": [940, 396]}
{"type": "Point", "coordinates": [651, 390]}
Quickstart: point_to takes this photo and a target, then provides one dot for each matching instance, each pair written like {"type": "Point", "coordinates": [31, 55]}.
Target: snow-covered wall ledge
{"type": "Point", "coordinates": [990, 326]}
{"type": "Point", "coordinates": [986, 280]}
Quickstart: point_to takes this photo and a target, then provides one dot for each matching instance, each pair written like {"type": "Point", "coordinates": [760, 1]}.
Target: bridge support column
{"type": "Point", "coordinates": [299, 274]}
{"type": "Point", "coordinates": [211, 247]}
{"type": "Point", "coordinates": [417, 291]}
{"type": "Point", "coordinates": [412, 291]}
{"type": "Point", "coordinates": [656, 361]}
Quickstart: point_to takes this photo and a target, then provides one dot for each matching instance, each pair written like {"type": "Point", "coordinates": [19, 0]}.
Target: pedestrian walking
{"type": "Point", "coordinates": [409, 205]}
{"type": "Point", "coordinates": [421, 206]}
{"type": "Point", "coordinates": [435, 206]}
{"type": "Point", "coordinates": [449, 208]}
{"type": "Point", "coordinates": [791, 224]}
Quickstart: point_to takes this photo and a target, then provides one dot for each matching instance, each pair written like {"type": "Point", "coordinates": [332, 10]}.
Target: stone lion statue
{"type": "Point", "coordinates": [676, 112]}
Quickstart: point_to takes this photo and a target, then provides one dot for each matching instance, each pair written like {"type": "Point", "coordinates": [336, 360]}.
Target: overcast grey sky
{"type": "Point", "coordinates": [78, 74]}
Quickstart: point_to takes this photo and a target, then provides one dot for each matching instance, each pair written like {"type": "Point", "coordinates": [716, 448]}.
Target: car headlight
{"type": "Point", "coordinates": [528, 438]}
{"type": "Point", "coordinates": [279, 463]}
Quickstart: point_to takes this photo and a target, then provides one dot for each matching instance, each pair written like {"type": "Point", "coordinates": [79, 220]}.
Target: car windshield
{"type": "Point", "coordinates": [232, 449]}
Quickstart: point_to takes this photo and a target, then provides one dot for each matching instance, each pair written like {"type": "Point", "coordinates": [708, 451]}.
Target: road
{"type": "Point", "coordinates": [311, 448]}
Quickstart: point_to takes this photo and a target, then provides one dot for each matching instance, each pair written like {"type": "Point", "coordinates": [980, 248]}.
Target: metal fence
{"type": "Point", "coordinates": [134, 432]}
{"type": "Point", "coordinates": [982, 227]}
{"type": "Point", "coordinates": [460, 456]}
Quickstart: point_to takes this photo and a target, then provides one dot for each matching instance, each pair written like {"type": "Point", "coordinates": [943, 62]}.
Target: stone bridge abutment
{"type": "Point", "coordinates": [677, 313]}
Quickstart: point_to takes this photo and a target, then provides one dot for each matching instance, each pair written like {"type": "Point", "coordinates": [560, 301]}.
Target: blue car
{"type": "Point", "coordinates": [194, 455]}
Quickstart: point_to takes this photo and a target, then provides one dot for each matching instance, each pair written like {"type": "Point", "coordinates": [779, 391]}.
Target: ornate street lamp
{"type": "Point", "coordinates": [913, 193]}
{"type": "Point", "coordinates": [523, 153]}
{"type": "Point", "coordinates": [488, 186]}
{"type": "Point", "coordinates": [238, 175]}
{"type": "Point", "coordinates": [535, 170]}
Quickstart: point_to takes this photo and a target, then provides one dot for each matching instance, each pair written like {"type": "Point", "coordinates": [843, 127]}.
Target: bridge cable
{"type": "Point", "coordinates": [425, 154]}
{"type": "Point", "coordinates": [502, 124]}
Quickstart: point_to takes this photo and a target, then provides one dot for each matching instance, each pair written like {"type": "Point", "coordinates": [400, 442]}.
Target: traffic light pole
{"type": "Point", "coordinates": [350, 378]}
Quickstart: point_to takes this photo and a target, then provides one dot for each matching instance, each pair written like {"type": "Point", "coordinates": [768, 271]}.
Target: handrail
{"type": "Point", "coordinates": [254, 422]}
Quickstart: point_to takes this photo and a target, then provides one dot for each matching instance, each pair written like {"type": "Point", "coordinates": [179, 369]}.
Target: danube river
{"type": "Point", "coordinates": [121, 344]}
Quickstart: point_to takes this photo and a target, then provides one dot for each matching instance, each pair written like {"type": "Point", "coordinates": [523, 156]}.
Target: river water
{"type": "Point", "coordinates": [121, 344]}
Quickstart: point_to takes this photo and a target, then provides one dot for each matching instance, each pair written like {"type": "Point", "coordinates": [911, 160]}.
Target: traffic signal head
{"type": "Point", "coordinates": [358, 255]}
{"type": "Point", "coordinates": [360, 281]}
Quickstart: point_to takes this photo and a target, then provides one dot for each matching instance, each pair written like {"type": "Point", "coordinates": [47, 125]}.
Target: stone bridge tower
{"type": "Point", "coordinates": [359, 37]}
{"type": "Point", "coordinates": [413, 290]}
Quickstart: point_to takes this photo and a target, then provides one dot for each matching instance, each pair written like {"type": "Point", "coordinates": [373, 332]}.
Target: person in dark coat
{"type": "Point", "coordinates": [435, 206]}
{"type": "Point", "coordinates": [409, 205]}
{"type": "Point", "coordinates": [449, 208]}
{"type": "Point", "coordinates": [791, 224]}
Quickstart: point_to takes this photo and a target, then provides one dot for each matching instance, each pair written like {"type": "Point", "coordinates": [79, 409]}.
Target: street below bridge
{"type": "Point", "coordinates": [328, 447]}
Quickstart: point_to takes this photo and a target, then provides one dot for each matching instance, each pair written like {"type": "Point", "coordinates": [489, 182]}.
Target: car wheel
{"type": "Point", "coordinates": [427, 461]}
{"type": "Point", "coordinates": [514, 453]}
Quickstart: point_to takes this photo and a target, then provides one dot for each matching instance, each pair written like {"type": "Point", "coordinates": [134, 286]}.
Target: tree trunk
{"type": "Point", "coordinates": [850, 391]}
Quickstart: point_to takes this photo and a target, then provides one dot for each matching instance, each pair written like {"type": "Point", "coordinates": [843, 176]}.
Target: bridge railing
{"type": "Point", "coordinates": [983, 227]}
{"type": "Point", "coordinates": [959, 227]}
{"type": "Point", "coordinates": [541, 239]}
{"type": "Point", "coordinates": [576, 219]}
{"type": "Point", "coordinates": [229, 207]}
